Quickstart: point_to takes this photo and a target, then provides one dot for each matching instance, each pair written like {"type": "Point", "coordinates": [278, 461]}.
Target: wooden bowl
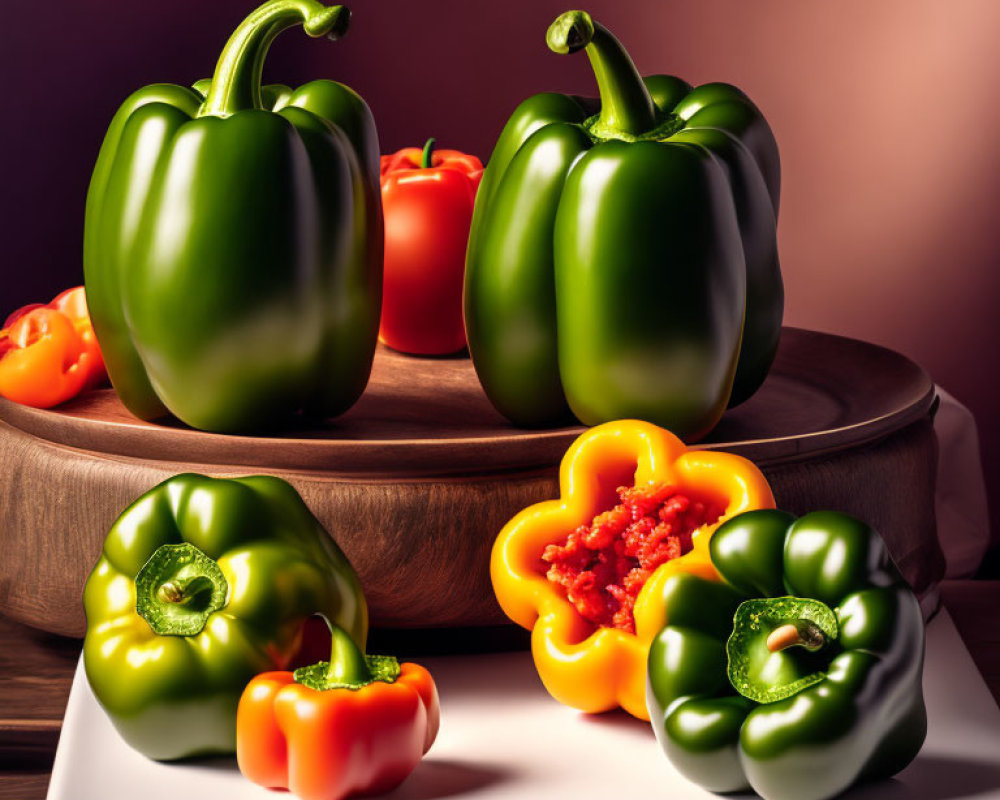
{"type": "Point", "coordinates": [417, 479]}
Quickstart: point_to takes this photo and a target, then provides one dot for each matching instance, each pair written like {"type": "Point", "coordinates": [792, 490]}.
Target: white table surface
{"type": "Point", "coordinates": [502, 736]}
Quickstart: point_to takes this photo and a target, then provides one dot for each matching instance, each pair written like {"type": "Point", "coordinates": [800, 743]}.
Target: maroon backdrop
{"type": "Point", "coordinates": [886, 114]}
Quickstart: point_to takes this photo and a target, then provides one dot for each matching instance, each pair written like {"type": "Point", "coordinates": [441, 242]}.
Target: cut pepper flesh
{"type": "Point", "coordinates": [604, 565]}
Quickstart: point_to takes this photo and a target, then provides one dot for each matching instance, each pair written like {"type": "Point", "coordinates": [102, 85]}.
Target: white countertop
{"type": "Point", "coordinates": [502, 736]}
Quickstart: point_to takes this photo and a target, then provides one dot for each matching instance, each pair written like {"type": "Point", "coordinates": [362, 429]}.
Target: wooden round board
{"type": "Point", "coordinates": [415, 481]}
{"type": "Point", "coordinates": [421, 416]}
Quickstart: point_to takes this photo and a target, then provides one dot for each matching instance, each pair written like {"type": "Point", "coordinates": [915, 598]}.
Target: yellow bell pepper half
{"type": "Point", "coordinates": [583, 665]}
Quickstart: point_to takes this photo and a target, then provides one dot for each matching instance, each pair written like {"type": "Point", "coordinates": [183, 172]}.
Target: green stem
{"type": "Point", "coordinates": [347, 663]}
{"type": "Point", "coordinates": [427, 159]}
{"type": "Point", "coordinates": [348, 667]}
{"type": "Point", "coordinates": [236, 83]}
{"type": "Point", "coordinates": [626, 106]}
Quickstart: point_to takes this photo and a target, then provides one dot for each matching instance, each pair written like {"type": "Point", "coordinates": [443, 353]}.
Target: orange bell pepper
{"type": "Point", "coordinates": [49, 353]}
{"type": "Point", "coordinates": [583, 665]}
{"type": "Point", "coordinates": [354, 725]}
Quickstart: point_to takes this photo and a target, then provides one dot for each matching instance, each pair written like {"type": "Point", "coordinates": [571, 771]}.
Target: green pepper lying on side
{"type": "Point", "coordinates": [799, 675]}
{"type": "Point", "coordinates": [202, 584]}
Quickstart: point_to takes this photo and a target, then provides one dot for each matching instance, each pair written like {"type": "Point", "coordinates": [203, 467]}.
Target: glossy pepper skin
{"type": "Point", "coordinates": [582, 665]}
{"type": "Point", "coordinates": [49, 353]}
{"type": "Point", "coordinates": [233, 240]}
{"type": "Point", "coordinates": [849, 711]}
{"type": "Point", "coordinates": [622, 260]}
{"type": "Point", "coordinates": [203, 583]}
{"type": "Point", "coordinates": [427, 199]}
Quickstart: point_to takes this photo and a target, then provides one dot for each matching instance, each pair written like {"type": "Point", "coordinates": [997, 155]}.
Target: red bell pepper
{"type": "Point", "coordinates": [354, 725]}
{"type": "Point", "coordinates": [49, 353]}
{"type": "Point", "coordinates": [427, 199]}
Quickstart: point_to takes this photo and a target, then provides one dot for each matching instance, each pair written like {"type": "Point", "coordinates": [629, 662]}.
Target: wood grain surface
{"type": "Point", "coordinates": [416, 481]}
{"type": "Point", "coordinates": [35, 671]}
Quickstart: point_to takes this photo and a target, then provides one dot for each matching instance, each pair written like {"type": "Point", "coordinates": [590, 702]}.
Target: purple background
{"type": "Point", "coordinates": [886, 114]}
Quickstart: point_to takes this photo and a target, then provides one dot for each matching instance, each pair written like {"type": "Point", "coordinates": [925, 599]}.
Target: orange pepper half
{"type": "Point", "coordinates": [583, 665]}
{"type": "Point", "coordinates": [43, 359]}
{"type": "Point", "coordinates": [49, 354]}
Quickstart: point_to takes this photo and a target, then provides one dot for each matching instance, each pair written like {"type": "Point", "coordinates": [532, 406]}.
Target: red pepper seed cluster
{"type": "Point", "coordinates": [605, 564]}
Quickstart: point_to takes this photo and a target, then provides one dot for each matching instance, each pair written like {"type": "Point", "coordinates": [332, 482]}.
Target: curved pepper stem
{"type": "Point", "coordinates": [626, 106]}
{"type": "Point", "coordinates": [348, 667]}
{"type": "Point", "coordinates": [427, 157]}
{"type": "Point", "coordinates": [236, 83]}
{"type": "Point", "coordinates": [347, 663]}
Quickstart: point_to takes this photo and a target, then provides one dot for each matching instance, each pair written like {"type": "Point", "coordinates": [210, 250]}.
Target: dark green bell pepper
{"type": "Point", "coordinates": [233, 240]}
{"type": "Point", "coordinates": [622, 259]}
{"type": "Point", "coordinates": [801, 673]}
{"type": "Point", "coordinates": [203, 583]}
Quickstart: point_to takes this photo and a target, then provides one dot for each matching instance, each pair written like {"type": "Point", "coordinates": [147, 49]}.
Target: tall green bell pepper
{"type": "Point", "coordinates": [622, 260]}
{"type": "Point", "coordinates": [799, 675]}
{"type": "Point", "coordinates": [233, 240]}
{"type": "Point", "coordinates": [203, 583]}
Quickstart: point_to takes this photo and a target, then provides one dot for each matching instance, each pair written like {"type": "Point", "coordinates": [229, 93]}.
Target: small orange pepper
{"type": "Point", "coordinates": [583, 665]}
{"type": "Point", "coordinates": [43, 361]}
{"type": "Point", "coordinates": [354, 725]}
{"type": "Point", "coordinates": [49, 353]}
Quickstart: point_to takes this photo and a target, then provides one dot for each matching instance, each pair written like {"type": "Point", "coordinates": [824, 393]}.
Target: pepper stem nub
{"type": "Point", "coordinates": [802, 633]}
{"type": "Point", "coordinates": [194, 592]}
{"type": "Point", "coordinates": [764, 665]}
{"type": "Point", "coordinates": [626, 106]}
{"type": "Point", "coordinates": [178, 589]}
{"type": "Point", "coordinates": [236, 83]}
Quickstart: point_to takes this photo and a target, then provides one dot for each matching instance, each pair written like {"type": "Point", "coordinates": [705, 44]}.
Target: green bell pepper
{"type": "Point", "coordinates": [622, 260]}
{"type": "Point", "coordinates": [233, 240]}
{"type": "Point", "coordinates": [801, 673]}
{"type": "Point", "coordinates": [202, 584]}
